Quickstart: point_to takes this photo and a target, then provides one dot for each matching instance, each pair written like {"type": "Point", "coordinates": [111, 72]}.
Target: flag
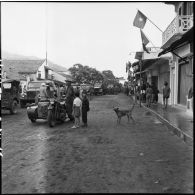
{"type": "Point", "coordinates": [140, 20]}
{"type": "Point", "coordinates": [145, 41]}
{"type": "Point", "coordinates": [126, 67]}
{"type": "Point", "coordinates": [138, 55]}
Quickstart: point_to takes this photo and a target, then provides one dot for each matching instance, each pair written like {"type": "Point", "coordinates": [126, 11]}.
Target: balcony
{"type": "Point", "coordinates": [176, 29]}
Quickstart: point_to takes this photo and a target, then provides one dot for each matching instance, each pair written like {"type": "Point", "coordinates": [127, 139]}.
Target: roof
{"type": "Point", "coordinates": [14, 67]}
{"type": "Point", "coordinates": [186, 38]}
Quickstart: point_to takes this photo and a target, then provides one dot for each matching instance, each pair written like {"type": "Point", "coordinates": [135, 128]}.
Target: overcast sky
{"type": "Point", "coordinates": [100, 35]}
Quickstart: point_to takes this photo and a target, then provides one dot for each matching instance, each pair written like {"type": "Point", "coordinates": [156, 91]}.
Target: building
{"type": "Point", "coordinates": [25, 70]}
{"type": "Point", "coordinates": [173, 62]}
{"type": "Point", "coordinates": [32, 70]}
{"type": "Point", "coordinates": [177, 40]}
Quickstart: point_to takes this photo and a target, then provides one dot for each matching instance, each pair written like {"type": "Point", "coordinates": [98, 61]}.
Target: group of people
{"type": "Point", "coordinates": [149, 93]}
{"type": "Point", "coordinates": [152, 94]}
{"type": "Point", "coordinates": [76, 104]}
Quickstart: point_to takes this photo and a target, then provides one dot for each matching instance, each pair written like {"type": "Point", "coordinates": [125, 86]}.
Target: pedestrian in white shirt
{"type": "Point", "coordinates": [77, 104]}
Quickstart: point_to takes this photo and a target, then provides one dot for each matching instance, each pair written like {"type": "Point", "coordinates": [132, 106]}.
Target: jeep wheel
{"type": "Point", "coordinates": [13, 109]}
{"type": "Point", "coordinates": [33, 120]}
{"type": "Point", "coordinates": [51, 118]}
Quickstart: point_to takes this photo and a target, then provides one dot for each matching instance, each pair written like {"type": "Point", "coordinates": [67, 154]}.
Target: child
{"type": "Point", "coordinates": [77, 103]}
{"type": "Point", "coordinates": [85, 108]}
{"type": "Point", "coordinates": [166, 93]}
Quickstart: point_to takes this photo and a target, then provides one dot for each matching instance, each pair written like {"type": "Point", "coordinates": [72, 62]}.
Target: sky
{"type": "Point", "coordinates": [99, 35]}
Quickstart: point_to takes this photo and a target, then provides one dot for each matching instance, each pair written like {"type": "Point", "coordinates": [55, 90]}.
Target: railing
{"type": "Point", "coordinates": [179, 25]}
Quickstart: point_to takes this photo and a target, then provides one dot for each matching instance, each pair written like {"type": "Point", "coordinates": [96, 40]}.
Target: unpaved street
{"type": "Point", "coordinates": [105, 157]}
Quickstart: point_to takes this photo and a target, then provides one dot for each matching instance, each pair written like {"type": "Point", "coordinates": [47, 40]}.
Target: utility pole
{"type": "Point", "coordinates": [140, 69]}
{"type": "Point", "coordinates": [0, 33]}
{"type": "Point", "coordinates": [46, 18]}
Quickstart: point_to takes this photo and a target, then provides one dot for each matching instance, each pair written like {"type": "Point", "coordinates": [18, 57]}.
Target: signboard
{"type": "Point", "coordinates": [138, 55]}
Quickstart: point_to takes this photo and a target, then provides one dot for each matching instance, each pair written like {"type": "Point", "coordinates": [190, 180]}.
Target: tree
{"type": "Point", "coordinates": [109, 78]}
{"type": "Point", "coordinates": [85, 74]}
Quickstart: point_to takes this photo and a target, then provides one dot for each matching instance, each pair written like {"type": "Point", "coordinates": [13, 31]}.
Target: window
{"type": "Point", "coordinates": [190, 8]}
{"type": "Point", "coordinates": [39, 74]}
{"type": "Point", "coordinates": [184, 8]}
{"type": "Point", "coordinates": [180, 9]}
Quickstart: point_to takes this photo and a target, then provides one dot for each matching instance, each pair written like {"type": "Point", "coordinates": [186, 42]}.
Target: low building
{"type": "Point", "coordinates": [25, 70]}
{"type": "Point", "coordinates": [154, 70]}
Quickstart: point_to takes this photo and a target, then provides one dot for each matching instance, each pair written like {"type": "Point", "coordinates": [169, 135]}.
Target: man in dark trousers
{"type": "Point", "coordinates": [69, 99]}
{"type": "Point", "coordinates": [85, 108]}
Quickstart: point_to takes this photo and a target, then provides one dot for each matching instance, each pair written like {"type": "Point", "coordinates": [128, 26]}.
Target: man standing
{"type": "Point", "coordinates": [69, 99]}
{"type": "Point", "coordinates": [43, 92]}
{"type": "Point", "coordinates": [166, 93]}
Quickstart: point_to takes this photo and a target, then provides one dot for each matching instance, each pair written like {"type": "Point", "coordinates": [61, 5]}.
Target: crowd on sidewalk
{"type": "Point", "coordinates": [174, 115]}
{"type": "Point", "coordinates": [149, 93]}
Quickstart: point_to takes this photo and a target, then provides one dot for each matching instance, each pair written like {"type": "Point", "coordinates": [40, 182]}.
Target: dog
{"type": "Point", "coordinates": [124, 112]}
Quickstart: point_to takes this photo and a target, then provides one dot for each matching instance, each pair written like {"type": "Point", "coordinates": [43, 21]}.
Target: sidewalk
{"type": "Point", "coordinates": [176, 118]}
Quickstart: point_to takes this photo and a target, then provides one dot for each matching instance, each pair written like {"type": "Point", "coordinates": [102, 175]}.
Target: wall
{"type": "Point", "coordinates": [42, 70]}
{"type": "Point", "coordinates": [183, 52]}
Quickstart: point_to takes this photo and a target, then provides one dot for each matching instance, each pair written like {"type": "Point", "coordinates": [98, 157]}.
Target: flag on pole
{"type": "Point", "coordinates": [140, 20]}
{"type": "Point", "coordinates": [126, 67]}
{"type": "Point", "coordinates": [145, 41]}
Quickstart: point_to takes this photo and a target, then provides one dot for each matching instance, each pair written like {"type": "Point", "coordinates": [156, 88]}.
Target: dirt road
{"type": "Point", "coordinates": [105, 157]}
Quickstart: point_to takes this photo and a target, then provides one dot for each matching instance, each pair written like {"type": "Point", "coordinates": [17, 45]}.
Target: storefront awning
{"type": "Point", "coordinates": [185, 39]}
{"type": "Point", "coordinates": [141, 72]}
{"type": "Point", "coordinates": [145, 63]}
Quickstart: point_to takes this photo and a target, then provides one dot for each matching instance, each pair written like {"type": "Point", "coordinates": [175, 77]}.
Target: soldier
{"type": "Point", "coordinates": [43, 92]}
{"type": "Point", "coordinates": [69, 99]}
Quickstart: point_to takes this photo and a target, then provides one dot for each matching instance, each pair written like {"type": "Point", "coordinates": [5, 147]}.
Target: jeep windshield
{"type": "Point", "coordinates": [34, 85]}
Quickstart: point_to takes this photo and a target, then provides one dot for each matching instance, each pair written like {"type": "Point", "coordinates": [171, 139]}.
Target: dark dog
{"type": "Point", "coordinates": [124, 112]}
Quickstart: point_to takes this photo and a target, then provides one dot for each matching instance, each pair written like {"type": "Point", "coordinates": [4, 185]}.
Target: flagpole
{"type": "Point", "coordinates": [140, 69]}
{"type": "Point", "coordinates": [150, 42]}
{"type": "Point", "coordinates": [46, 14]}
{"type": "Point", "coordinates": [155, 25]}
{"type": "Point", "coordinates": [152, 22]}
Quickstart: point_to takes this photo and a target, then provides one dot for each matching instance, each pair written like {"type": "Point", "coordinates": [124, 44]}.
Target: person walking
{"type": "Point", "coordinates": [166, 93]}
{"type": "Point", "coordinates": [77, 103]}
{"type": "Point", "coordinates": [69, 99]}
{"type": "Point", "coordinates": [148, 95]}
{"type": "Point", "coordinates": [85, 108]}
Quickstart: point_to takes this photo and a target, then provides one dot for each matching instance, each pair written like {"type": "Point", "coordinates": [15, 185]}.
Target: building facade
{"type": "Point", "coordinates": [178, 40]}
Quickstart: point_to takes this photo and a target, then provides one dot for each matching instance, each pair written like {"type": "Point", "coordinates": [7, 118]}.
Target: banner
{"type": "Point", "coordinates": [145, 41]}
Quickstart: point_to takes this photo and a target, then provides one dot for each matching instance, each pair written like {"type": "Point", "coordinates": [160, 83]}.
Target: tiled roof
{"type": "Point", "coordinates": [14, 67]}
